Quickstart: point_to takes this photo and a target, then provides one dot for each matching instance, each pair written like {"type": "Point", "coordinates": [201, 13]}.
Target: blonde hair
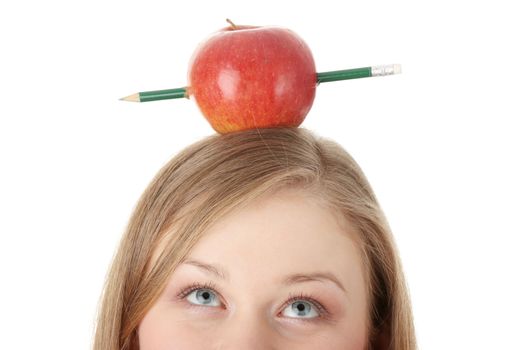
{"type": "Point", "coordinates": [221, 172]}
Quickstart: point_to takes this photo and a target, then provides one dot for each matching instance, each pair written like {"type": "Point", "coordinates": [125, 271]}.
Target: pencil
{"type": "Point", "coordinates": [147, 96]}
{"type": "Point", "coordinates": [365, 72]}
{"type": "Point", "coordinates": [324, 77]}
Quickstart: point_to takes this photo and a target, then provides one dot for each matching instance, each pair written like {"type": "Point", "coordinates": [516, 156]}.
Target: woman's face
{"type": "Point", "coordinates": [281, 273]}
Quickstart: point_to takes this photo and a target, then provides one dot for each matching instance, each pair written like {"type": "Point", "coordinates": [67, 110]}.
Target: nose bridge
{"type": "Point", "coordinates": [247, 330]}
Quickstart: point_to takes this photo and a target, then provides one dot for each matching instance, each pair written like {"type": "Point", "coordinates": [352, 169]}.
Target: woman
{"type": "Point", "coordinates": [261, 239]}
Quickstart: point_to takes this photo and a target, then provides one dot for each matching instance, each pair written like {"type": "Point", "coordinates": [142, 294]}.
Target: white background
{"type": "Point", "coordinates": [442, 145]}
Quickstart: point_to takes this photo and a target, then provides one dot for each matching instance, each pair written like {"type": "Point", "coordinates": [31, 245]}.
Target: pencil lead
{"type": "Point", "coordinates": [131, 98]}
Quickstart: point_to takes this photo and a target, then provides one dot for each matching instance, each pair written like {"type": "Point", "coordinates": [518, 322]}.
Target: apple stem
{"type": "Point", "coordinates": [231, 23]}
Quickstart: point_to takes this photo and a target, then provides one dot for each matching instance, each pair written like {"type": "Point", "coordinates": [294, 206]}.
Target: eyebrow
{"type": "Point", "coordinates": [294, 278]}
{"type": "Point", "coordinates": [315, 276]}
{"type": "Point", "coordinates": [210, 269]}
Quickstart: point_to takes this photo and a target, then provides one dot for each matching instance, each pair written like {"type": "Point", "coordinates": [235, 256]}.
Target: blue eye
{"type": "Point", "coordinates": [301, 309]}
{"type": "Point", "coordinates": [205, 297]}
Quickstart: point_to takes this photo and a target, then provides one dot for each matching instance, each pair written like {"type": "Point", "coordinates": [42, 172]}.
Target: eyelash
{"type": "Point", "coordinates": [323, 312]}
{"type": "Point", "coordinates": [184, 292]}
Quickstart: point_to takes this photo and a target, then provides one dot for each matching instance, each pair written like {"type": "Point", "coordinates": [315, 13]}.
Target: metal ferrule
{"type": "Point", "coordinates": [386, 70]}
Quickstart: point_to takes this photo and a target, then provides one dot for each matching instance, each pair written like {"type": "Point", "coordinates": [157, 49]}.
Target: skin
{"type": "Point", "coordinates": [248, 257]}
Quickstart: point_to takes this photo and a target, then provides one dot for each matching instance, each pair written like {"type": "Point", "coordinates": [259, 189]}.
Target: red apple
{"type": "Point", "coordinates": [245, 77]}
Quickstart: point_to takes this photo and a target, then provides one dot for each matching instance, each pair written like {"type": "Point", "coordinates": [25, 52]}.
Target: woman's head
{"type": "Point", "coordinates": [271, 233]}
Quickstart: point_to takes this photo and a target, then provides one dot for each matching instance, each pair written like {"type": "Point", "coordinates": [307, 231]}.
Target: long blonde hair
{"type": "Point", "coordinates": [218, 174]}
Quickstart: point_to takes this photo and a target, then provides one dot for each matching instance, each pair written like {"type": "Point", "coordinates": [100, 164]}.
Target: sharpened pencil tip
{"type": "Point", "coordinates": [131, 98]}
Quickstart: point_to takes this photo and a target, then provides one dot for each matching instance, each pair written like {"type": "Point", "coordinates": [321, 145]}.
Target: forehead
{"type": "Point", "coordinates": [281, 233]}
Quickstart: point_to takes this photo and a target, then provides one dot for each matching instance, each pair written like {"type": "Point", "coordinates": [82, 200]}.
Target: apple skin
{"type": "Point", "coordinates": [246, 77]}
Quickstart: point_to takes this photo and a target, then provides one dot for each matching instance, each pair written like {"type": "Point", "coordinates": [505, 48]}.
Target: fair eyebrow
{"type": "Point", "coordinates": [216, 271]}
{"type": "Point", "coordinates": [294, 278]}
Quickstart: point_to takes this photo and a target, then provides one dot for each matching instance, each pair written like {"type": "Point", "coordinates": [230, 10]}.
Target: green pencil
{"type": "Point", "coordinates": [323, 77]}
